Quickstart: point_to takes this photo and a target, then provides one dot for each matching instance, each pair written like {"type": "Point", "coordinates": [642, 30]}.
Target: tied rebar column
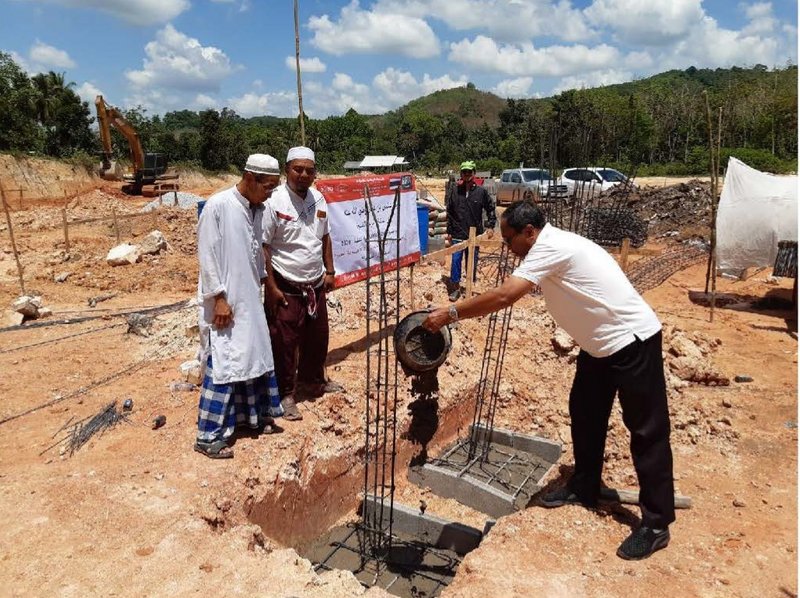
{"type": "Point", "coordinates": [494, 353]}
{"type": "Point", "coordinates": [383, 310]}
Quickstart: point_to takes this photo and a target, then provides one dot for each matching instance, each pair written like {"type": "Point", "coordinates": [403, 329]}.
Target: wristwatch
{"type": "Point", "coordinates": [453, 313]}
{"type": "Point", "coordinates": [330, 273]}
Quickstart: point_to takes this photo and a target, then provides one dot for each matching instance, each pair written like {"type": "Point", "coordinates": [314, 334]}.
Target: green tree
{"type": "Point", "coordinates": [18, 126]}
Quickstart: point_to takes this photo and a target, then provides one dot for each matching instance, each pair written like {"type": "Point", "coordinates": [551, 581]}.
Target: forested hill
{"type": "Point", "coordinates": [657, 125]}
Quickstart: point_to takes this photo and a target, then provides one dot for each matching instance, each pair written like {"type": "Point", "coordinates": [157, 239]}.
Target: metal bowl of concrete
{"type": "Point", "coordinates": [418, 349]}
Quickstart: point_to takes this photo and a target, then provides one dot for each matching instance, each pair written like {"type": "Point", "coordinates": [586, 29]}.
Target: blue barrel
{"type": "Point", "coordinates": [422, 220]}
{"type": "Point", "coordinates": [200, 206]}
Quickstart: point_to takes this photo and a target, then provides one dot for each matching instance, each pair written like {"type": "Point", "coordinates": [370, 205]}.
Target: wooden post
{"type": "Point", "coordinates": [623, 254]}
{"type": "Point", "coordinates": [470, 260]}
{"type": "Point", "coordinates": [714, 202]}
{"type": "Point", "coordinates": [13, 242]}
{"type": "Point", "coordinates": [297, 66]}
{"type": "Point", "coordinates": [411, 284]}
{"type": "Point", "coordinates": [66, 229]}
{"type": "Point", "coordinates": [116, 224]}
{"type": "Point", "coordinates": [20, 198]}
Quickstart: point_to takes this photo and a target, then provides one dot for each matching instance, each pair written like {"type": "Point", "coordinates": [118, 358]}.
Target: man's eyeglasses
{"type": "Point", "coordinates": [309, 170]}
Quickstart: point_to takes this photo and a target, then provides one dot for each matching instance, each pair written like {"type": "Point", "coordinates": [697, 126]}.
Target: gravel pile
{"type": "Point", "coordinates": [186, 201]}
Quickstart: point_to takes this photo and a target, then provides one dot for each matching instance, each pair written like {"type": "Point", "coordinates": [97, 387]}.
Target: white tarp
{"type": "Point", "coordinates": [756, 210]}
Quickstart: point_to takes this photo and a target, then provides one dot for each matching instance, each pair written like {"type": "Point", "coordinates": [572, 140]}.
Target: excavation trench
{"type": "Point", "coordinates": [303, 509]}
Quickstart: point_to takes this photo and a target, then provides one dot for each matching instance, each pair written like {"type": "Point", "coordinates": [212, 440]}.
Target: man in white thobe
{"type": "Point", "coordinates": [239, 386]}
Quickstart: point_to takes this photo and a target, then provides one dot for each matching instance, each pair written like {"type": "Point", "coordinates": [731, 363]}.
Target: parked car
{"type": "Point", "coordinates": [592, 179]}
{"type": "Point", "coordinates": [527, 183]}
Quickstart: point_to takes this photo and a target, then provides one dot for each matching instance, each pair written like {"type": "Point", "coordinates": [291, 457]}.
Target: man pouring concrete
{"type": "Point", "coordinates": [299, 258]}
{"type": "Point", "coordinates": [590, 297]}
{"type": "Point", "coordinates": [239, 386]}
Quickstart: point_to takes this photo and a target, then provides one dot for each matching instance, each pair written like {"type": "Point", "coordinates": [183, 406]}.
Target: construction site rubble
{"type": "Point", "coordinates": [670, 209]}
{"type": "Point", "coordinates": [153, 243]}
{"type": "Point", "coordinates": [28, 306]}
{"type": "Point", "coordinates": [123, 255]}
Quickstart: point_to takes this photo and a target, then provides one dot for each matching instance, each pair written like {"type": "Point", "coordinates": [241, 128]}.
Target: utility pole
{"type": "Point", "coordinates": [297, 63]}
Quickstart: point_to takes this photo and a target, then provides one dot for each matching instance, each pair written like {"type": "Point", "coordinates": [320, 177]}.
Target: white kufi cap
{"type": "Point", "coordinates": [262, 164]}
{"type": "Point", "coordinates": [300, 153]}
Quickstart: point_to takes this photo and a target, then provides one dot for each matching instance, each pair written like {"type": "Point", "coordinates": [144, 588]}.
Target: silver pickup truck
{"type": "Point", "coordinates": [527, 183]}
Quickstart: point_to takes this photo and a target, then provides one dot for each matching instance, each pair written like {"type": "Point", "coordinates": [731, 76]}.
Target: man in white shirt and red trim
{"type": "Point", "coordinates": [299, 260]}
{"type": "Point", "coordinates": [590, 297]}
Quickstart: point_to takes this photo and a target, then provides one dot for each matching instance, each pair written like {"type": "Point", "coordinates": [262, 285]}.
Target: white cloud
{"type": "Point", "coordinates": [50, 57]}
{"type": "Point", "coordinates": [320, 100]}
{"type": "Point", "coordinates": [594, 79]}
{"type": "Point", "coordinates": [244, 6]}
{"type": "Point", "coordinates": [368, 32]}
{"type": "Point", "coordinates": [136, 12]}
{"type": "Point", "coordinates": [177, 61]}
{"type": "Point", "coordinates": [514, 88]}
{"type": "Point", "coordinates": [88, 91]}
{"type": "Point", "coordinates": [281, 103]}
{"type": "Point", "coordinates": [653, 23]}
{"type": "Point", "coordinates": [21, 61]}
{"type": "Point", "coordinates": [761, 19]}
{"type": "Point", "coordinates": [399, 87]}
{"type": "Point", "coordinates": [504, 20]}
{"type": "Point", "coordinates": [307, 65]}
{"type": "Point", "coordinates": [709, 45]}
{"type": "Point", "coordinates": [484, 54]}
{"type": "Point", "coordinates": [203, 102]}
{"type": "Point", "coordinates": [42, 58]}
{"type": "Point", "coordinates": [639, 61]}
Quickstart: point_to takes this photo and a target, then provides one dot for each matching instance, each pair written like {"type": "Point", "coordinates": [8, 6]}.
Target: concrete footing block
{"type": "Point", "coordinates": [476, 493]}
{"type": "Point", "coordinates": [429, 529]}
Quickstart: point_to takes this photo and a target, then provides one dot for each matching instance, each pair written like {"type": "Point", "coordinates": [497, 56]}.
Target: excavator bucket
{"type": "Point", "coordinates": [110, 171]}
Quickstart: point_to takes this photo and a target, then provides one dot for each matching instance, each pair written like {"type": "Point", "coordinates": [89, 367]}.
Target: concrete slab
{"type": "Point", "coordinates": [497, 483]}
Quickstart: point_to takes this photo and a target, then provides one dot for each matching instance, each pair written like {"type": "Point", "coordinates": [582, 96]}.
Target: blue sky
{"type": "Point", "coordinates": [377, 55]}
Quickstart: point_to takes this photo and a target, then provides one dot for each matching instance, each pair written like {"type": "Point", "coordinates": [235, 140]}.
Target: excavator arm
{"type": "Point", "coordinates": [108, 116]}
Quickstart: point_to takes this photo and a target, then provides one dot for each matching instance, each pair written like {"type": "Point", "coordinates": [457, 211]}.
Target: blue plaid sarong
{"type": "Point", "coordinates": [225, 406]}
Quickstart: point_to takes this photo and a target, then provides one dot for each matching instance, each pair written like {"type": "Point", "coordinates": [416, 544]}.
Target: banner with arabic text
{"type": "Point", "coordinates": [347, 218]}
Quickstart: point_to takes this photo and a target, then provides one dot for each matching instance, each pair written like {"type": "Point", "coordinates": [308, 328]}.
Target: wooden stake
{"type": "Point", "coordinates": [714, 203]}
{"type": "Point", "coordinates": [470, 260]}
{"type": "Point", "coordinates": [712, 170]}
{"type": "Point", "coordinates": [623, 254]}
{"type": "Point", "coordinates": [13, 242]}
{"type": "Point", "coordinates": [20, 199]}
{"type": "Point", "coordinates": [116, 224]}
{"type": "Point", "coordinates": [66, 229]}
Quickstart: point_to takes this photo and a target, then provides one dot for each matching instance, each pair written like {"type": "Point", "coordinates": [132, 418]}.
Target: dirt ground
{"type": "Point", "coordinates": [136, 512]}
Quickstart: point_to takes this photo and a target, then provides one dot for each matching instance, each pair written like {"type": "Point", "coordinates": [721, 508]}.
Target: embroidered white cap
{"type": "Point", "coordinates": [300, 153]}
{"type": "Point", "coordinates": [262, 164]}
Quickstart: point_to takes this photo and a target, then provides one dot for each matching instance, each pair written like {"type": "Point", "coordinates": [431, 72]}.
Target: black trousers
{"type": "Point", "coordinates": [636, 372]}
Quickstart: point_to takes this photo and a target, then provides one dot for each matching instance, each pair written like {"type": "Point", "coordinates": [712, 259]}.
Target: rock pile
{"type": "Point", "coordinates": [668, 210]}
{"type": "Point", "coordinates": [125, 254]}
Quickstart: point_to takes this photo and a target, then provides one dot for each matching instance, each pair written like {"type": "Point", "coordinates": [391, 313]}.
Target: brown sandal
{"type": "Point", "coordinates": [290, 410]}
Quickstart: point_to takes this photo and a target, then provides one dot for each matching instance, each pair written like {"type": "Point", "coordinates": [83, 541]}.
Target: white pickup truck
{"type": "Point", "coordinates": [527, 183]}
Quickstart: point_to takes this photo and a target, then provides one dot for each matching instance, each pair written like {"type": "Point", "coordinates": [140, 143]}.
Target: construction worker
{"type": "Point", "coordinates": [620, 338]}
{"type": "Point", "coordinates": [466, 202]}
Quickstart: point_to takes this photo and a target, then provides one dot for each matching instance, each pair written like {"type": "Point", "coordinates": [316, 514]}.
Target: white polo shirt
{"type": "Point", "coordinates": [587, 293]}
{"type": "Point", "coordinates": [293, 229]}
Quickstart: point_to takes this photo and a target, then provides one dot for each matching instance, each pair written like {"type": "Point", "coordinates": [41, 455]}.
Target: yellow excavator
{"type": "Point", "coordinates": [148, 168]}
